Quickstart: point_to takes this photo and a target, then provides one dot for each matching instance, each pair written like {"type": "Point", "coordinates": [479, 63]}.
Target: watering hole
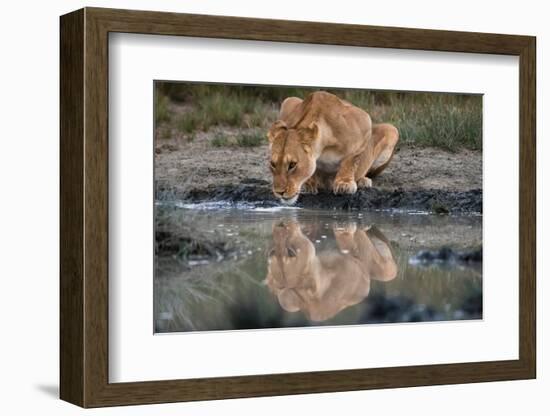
{"type": "Point", "coordinates": [221, 266]}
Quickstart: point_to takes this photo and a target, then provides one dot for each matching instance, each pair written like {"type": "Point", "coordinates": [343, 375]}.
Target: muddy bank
{"type": "Point", "coordinates": [259, 192]}
{"type": "Point", "coordinates": [426, 179]}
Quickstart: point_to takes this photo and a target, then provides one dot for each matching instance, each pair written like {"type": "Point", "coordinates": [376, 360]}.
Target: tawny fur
{"type": "Point", "coordinates": [321, 284]}
{"type": "Point", "coordinates": [326, 142]}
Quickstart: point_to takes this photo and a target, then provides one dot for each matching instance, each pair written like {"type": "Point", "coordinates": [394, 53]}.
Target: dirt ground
{"type": "Point", "coordinates": [193, 170]}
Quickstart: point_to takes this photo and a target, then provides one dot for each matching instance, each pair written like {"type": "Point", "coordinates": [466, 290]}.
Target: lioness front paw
{"type": "Point", "coordinates": [344, 187]}
{"type": "Point", "coordinates": [364, 182]}
{"type": "Point", "coordinates": [310, 187]}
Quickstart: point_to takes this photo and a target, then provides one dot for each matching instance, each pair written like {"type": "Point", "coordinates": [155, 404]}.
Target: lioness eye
{"type": "Point", "coordinates": [272, 165]}
{"type": "Point", "coordinates": [291, 166]}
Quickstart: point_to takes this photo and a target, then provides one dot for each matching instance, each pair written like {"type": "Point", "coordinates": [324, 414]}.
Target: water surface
{"type": "Point", "coordinates": [222, 267]}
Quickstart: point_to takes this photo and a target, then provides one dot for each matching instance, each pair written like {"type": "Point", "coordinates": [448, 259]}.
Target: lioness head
{"type": "Point", "coordinates": [318, 284]}
{"type": "Point", "coordinates": [292, 161]}
{"type": "Point", "coordinates": [291, 266]}
{"type": "Point", "coordinates": [289, 263]}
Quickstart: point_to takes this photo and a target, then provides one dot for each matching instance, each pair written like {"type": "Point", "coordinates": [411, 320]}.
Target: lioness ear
{"type": "Point", "coordinates": [310, 133]}
{"type": "Point", "coordinates": [276, 128]}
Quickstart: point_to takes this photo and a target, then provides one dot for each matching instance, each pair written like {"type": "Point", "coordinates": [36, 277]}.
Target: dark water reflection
{"type": "Point", "coordinates": [226, 269]}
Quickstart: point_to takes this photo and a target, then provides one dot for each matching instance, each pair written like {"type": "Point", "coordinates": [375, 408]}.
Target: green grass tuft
{"type": "Point", "coordinates": [188, 124]}
{"type": "Point", "coordinates": [447, 121]}
{"type": "Point", "coordinates": [233, 110]}
{"type": "Point", "coordinates": [250, 140]}
{"type": "Point", "coordinates": [221, 141]}
{"type": "Point", "coordinates": [162, 112]}
{"type": "Point", "coordinates": [242, 140]}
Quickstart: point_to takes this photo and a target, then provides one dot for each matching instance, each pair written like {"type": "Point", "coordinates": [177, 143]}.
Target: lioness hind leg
{"type": "Point", "coordinates": [377, 155]}
{"type": "Point", "coordinates": [380, 256]}
{"type": "Point", "coordinates": [364, 162]}
{"type": "Point", "coordinates": [385, 137]}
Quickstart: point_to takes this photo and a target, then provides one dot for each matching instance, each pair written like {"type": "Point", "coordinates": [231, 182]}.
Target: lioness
{"type": "Point", "coordinates": [326, 142]}
{"type": "Point", "coordinates": [322, 284]}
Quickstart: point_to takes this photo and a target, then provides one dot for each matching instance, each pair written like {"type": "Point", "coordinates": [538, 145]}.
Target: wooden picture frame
{"type": "Point", "coordinates": [84, 207]}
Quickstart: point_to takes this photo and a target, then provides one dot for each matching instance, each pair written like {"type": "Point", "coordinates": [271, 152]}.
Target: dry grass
{"type": "Point", "coordinates": [447, 121]}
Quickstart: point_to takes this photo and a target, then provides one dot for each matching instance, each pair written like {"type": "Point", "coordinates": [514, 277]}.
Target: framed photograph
{"type": "Point", "coordinates": [255, 207]}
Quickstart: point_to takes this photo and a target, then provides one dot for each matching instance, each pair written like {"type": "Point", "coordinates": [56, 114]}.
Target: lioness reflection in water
{"type": "Point", "coordinates": [321, 284]}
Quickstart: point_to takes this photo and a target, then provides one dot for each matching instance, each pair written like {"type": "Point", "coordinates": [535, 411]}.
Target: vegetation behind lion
{"type": "Point", "coordinates": [442, 120]}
